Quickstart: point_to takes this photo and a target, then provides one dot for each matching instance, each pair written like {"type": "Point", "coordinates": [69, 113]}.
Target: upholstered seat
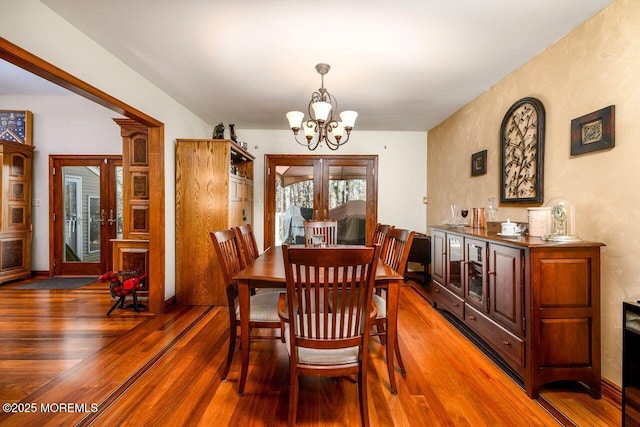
{"type": "Point", "coordinates": [263, 306]}
{"type": "Point", "coordinates": [328, 338]}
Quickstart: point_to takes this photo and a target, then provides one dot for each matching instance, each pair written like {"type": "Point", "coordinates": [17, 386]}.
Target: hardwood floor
{"type": "Point", "coordinates": [58, 348]}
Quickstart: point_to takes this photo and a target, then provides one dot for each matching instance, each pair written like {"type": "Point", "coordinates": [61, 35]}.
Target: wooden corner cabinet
{"type": "Point", "coordinates": [534, 302]}
{"type": "Point", "coordinates": [214, 191]}
{"type": "Point", "coordinates": [15, 221]}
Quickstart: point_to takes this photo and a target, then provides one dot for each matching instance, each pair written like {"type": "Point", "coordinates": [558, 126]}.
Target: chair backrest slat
{"type": "Point", "coordinates": [247, 242]}
{"type": "Point", "coordinates": [227, 249]}
{"type": "Point", "coordinates": [329, 294]}
{"type": "Point", "coordinates": [381, 233]}
{"type": "Point", "coordinates": [327, 229]}
{"type": "Point", "coordinates": [395, 251]}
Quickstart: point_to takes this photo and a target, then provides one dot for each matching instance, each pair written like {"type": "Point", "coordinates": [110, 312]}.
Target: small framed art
{"type": "Point", "coordinates": [15, 126]}
{"type": "Point", "coordinates": [479, 163]}
{"type": "Point", "coordinates": [594, 131]}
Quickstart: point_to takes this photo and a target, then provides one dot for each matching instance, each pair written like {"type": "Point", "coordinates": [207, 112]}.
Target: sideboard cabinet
{"type": "Point", "coordinates": [214, 191]}
{"type": "Point", "coordinates": [534, 302]}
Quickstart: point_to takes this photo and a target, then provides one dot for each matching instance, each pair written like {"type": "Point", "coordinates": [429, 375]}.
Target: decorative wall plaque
{"type": "Point", "coordinates": [522, 152]}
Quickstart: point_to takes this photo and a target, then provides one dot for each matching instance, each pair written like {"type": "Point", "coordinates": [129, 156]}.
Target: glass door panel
{"type": "Point", "coordinates": [305, 187]}
{"type": "Point", "coordinates": [81, 226]}
{"type": "Point", "coordinates": [294, 202]}
{"type": "Point", "coordinates": [455, 258]}
{"type": "Point", "coordinates": [348, 203]}
{"type": "Point", "coordinates": [475, 273]}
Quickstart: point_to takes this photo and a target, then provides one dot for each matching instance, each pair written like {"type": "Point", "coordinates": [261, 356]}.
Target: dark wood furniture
{"type": "Point", "coordinates": [536, 303]}
{"type": "Point", "coordinates": [381, 233]}
{"type": "Point", "coordinates": [265, 306]}
{"type": "Point", "coordinates": [394, 253]}
{"type": "Point", "coordinates": [247, 242]}
{"type": "Point", "coordinates": [267, 271]}
{"type": "Point", "coordinates": [15, 222]}
{"type": "Point", "coordinates": [328, 315]}
{"type": "Point", "coordinates": [214, 191]}
{"type": "Point", "coordinates": [631, 364]}
{"type": "Point", "coordinates": [328, 229]}
{"type": "Point", "coordinates": [420, 253]}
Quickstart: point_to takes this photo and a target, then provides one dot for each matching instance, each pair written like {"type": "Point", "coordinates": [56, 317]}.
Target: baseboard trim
{"type": "Point", "coordinates": [612, 391]}
{"type": "Point", "coordinates": [40, 273]}
{"type": "Point", "coordinates": [169, 303]}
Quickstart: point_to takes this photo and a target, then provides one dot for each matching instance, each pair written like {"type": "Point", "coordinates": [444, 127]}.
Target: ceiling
{"type": "Point", "coordinates": [404, 65]}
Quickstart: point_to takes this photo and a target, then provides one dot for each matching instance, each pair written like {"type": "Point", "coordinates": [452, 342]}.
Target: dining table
{"type": "Point", "coordinates": [268, 271]}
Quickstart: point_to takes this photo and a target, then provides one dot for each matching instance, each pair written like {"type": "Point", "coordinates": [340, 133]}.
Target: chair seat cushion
{"type": "Point", "coordinates": [381, 306]}
{"type": "Point", "coordinates": [264, 308]}
{"type": "Point", "coordinates": [323, 356]}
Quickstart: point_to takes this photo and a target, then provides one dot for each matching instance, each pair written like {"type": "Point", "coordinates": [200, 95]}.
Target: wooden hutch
{"type": "Point", "coordinates": [214, 191]}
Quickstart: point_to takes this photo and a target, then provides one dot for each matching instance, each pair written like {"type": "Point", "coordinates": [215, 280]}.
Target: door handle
{"type": "Point", "coordinates": [111, 218]}
{"type": "Point", "coordinates": [324, 215]}
{"type": "Point", "coordinates": [102, 217]}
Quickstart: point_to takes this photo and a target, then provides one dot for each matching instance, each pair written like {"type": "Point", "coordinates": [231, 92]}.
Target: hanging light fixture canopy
{"type": "Point", "coordinates": [321, 123]}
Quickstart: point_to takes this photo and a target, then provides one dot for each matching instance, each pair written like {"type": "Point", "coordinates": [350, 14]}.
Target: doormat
{"type": "Point", "coordinates": [59, 283]}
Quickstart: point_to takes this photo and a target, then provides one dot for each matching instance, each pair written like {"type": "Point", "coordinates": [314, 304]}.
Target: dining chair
{"type": "Point", "coordinates": [263, 307]}
{"type": "Point", "coordinates": [381, 233]}
{"type": "Point", "coordinates": [395, 253]}
{"type": "Point", "coordinates": [327, 335]}
{"type": "Point", "coordinates": [248, 244]}
{"type": "Point", "coordinates": [328, 229]}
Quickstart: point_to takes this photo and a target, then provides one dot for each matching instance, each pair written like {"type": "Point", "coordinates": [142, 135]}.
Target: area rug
{"type": "Point", "coordinates": [59, 283]}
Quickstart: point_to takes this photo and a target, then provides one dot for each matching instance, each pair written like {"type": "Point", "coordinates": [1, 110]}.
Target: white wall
{"type": "Point", "coordinates": [37, 29]}
{"type": "Point", "coordinates": [62, 124]}
{"type": "Point", "coordinates": [402, 164]}
{"type": "Point", "coordinates": [402, 155]}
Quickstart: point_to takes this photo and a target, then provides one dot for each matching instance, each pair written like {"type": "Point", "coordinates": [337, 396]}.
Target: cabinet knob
{"type": "Point", "coordinates": [455, 304]}
{"type": "Point", "coordinates": [436, 290]}
{"type": "Point", "coordinates": [472, 317]}
{"type": "Point", "coordinates": [493, 273]}
{"type": "Point", "coordinates": [506, 343]}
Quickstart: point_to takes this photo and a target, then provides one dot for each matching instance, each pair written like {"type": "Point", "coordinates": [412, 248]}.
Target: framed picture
{"type": "Point", "coordinates": [15, 126]}
{"type": "Point", "coordinates": [522, 152]}
{"type": "Point", "coordinates": [592, 132]}
{"type": "Point", "coordinates": [479, 163]}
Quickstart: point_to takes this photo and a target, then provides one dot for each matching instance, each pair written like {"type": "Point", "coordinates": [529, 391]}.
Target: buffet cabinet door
{"type": "Point", "coordinates": [506, 280]}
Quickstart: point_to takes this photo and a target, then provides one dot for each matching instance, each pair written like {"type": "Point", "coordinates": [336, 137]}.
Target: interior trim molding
{"type": "Point", "coordinates": [38, 66]}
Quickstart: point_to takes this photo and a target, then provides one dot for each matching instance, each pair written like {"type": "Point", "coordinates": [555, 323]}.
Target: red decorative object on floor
{"type": "Point", "coordinates": [122, 284]}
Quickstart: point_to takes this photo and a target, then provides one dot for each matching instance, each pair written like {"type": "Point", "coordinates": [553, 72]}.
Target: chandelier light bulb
{"type": "Point", "coordinates": [321, 126]}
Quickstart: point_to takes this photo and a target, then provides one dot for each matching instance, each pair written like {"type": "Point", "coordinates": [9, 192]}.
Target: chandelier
{"type": "Point", "coordinates": [321, 122]}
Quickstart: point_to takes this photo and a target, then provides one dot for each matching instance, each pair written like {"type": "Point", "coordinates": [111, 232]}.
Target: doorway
{"type": "Point", "coordinates": [86, 213]}
{"type": "Point", "coordinates": [304, 187]}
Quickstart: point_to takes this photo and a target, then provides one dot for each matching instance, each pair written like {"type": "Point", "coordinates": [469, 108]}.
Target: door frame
{"type": "Point", "coordinates": [28, 61]}
{"type": "Point", "coordinates": [107, 165]}
{"type": "Point", "coordinates": [320, 168]}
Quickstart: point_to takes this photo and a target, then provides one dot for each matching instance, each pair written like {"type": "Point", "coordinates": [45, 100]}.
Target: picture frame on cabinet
{"type": "Point", "coordinates": [522, 152]}
{"type": "Point", "coordinates": [16, 126]}
{"type": "Point", "coordinates": [479, 163]}
{"type": "Point", "coordinates": [594, 131]}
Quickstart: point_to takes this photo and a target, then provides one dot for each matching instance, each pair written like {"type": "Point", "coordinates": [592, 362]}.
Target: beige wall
{"type": "Point", "coordinates": [596, 65]}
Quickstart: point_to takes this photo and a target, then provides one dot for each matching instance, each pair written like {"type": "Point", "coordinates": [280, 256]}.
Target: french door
{"type": "Point", "coordinates": [86, 213]}
{"type": "Point", "coordinates": [299, 188]}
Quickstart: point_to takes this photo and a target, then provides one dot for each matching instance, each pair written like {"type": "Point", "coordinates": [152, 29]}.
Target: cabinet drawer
{"type": "Point", "coordinates": [446, 300]}
{"type": "Point", "coordinates": [504, 342]}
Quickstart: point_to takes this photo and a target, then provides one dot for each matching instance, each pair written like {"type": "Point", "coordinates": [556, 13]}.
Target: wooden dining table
{"type": "Point", "coordinates": [267, 271]}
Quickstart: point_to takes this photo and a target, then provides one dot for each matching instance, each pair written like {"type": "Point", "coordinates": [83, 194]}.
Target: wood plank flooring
{"type": "Point", "coordinates": [58, 347]}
